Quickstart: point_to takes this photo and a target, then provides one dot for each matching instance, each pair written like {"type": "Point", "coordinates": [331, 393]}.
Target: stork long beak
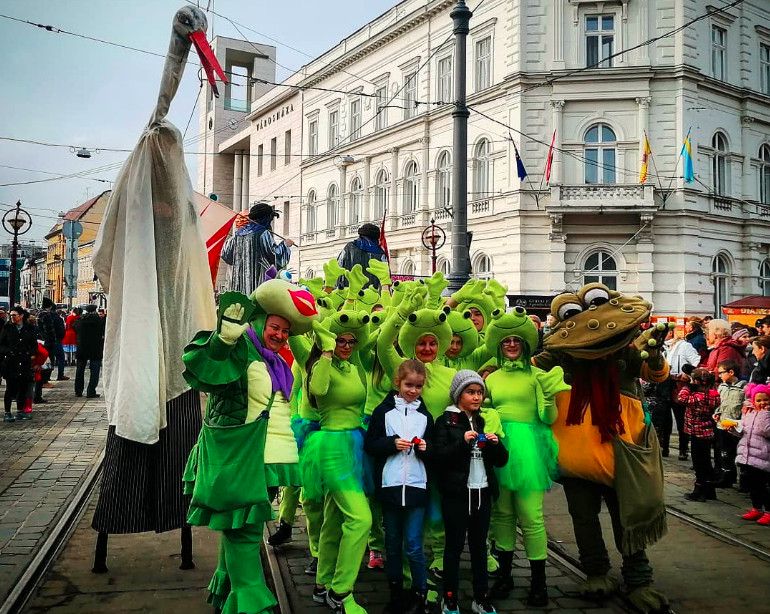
{"type": "Point", "coordinates": [208, 59]}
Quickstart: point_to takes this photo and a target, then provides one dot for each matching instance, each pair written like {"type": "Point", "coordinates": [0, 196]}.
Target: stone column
{"type": "Point", "coordinates": [558, 249]}
{"type": "Point", "coordinates": [366, 214]}
{"type": "Point", "coordinates": [557, 106]}
{"type": "Point", "coordinates": [645, 251]}
{"type": "Point", "coordinates": [237, 180]}
{"type": "Point", "coordinates": [643, 121]}
{"type": "Point", "coordinates": [425, 184]}
{"type": "Point", "coordinates": [393, 196]}
{"type": "Point", "coordinates": [245, 195]}
{"type": "Point", "coordinates": [342, 203]}
{"type": "Point", "coordinates": [558, 34]}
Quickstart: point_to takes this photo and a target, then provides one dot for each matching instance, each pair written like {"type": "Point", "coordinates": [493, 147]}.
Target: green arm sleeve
{"type": "Point", "coordinates": [478, 358]}
{"type": "Point", "coordinates": [300, 346]}
{"type": "Point", "coordinates": [549, 384]}
{"type": "Point", "coordinates": [210, 363]}
{"type": "Point", "coordinates": [386, 351]}
{"type": "Point", "coordinates": [320, 376]}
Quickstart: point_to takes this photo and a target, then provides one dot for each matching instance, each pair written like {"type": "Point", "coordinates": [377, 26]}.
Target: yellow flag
{"type": "Point", "coordinates": [646, 153]}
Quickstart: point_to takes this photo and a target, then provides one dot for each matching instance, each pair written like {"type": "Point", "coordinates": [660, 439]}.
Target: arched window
{"type": "Point", "coordinates": [764, 175]}
{"type": "Point", "coordinates": [482, 266]}
{"type": "Point", "coordinates": [381, 194]}
{"type": "Point", "coordinates": [444, 266]}
{"type": "Point", "coordinates": [599, 153]}
{"type": "Point", "coordinates": [444, 182]}
{"type": "Point", "coordinates": [309, 274]}
{"type": "Point", "coordinates": [764, 277]}
{"type": "Point", "coordinates": [410, 188]}
{"type": "Point", "coordinates": [407, 269]}
{"type": "Point", "coordinates": [356, 201]}
{"type": "Point", "coordinates": [332, 204]}
{"type": "Point", "coordinates": [719, 164]}
{"type": "Point", "coordinates": [310, 221]}
{"type": "Point", "coordinates": [481, 170]}
{"type": "Point", "coordinates": [720, 273]}
{"type": "Point", "coordinates": [601, 267]}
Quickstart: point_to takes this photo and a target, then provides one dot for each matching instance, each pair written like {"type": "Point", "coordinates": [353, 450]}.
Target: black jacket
{"type": "Point", "coordinates": [89, 329]}
{"type": "Point", "coordinates": [406, 473]}
{"type": "Point", "coordinates": [51, 326]}
{"type": "Point", "coordinates": [452, 454]}
{"type": "Point", "coordinates": [360, 251]}
{"type": "Point", "coordinates": [17, 348]}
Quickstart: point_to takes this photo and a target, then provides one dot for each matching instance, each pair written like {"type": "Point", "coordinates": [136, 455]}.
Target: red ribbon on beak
{"type": "Point", "coordinates": [208, 59]}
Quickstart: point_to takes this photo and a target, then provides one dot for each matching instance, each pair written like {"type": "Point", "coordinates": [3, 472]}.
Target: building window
{"type": "Point", "coordinates": [764, 277]}
{"type": "Point", "coordinates": [764, 68]}
{"type": "Point", "coordinates": [764, 175]}
{"type": "Point", "coordinates": [312, 137]}
{"type": "Point", "coordinates": [287, 148]}
{"type": "Point", "coordinates": [718, 51]}
{"type": "Point", "coordinates": [355, 118]}
{"type": "Point", "coordinates": [309, 274]}
{"type": "Point", "coordinates": [600, 154]}
{"type": "Point", "coordinates": [310, 223]}
{"type": "Point", "coordinates": [481, 170]}
{"type": "Point", "coordinates": [444, 266]}
{"type": "Point", "coordinates": [381, 194]}
{"type": "Point", "coordinates": [273, 152]}
{"type": "Point", "coordinates": [410, 95]}
{"type": "Point", "coordinates": [720, 272]}
{"type": "Point", "coordinates": [719, 164]}
{"type": "Point", "coordinates": [482, 266]}
{"type": "Point", "coordinates": [356, 201]}
{"type": "Point", "coordinates": [334, 128]}
{"type": "Point", "coordinates": [444, 182]}
{"type": "Point", "coordinates": [411, 199]}
{"type": "Point", "coordinates": [381, 110]}
{"type": "Point", "coordinates": [332, 207]}
{"type": "Point", "coordinates": [408, 270]}
{"type": "Point", "coordinates": [445, 75]}
{"type": "Point", "coordinates": [601, 267]}
{"type": "Point", "coordinates": [260, 159]}
{"type": "Point", "coordinates": [286, 217]}
{"type": "Point", "coordinates": [482, 77]}
{"type": "Point", "coordinates": [600, 40]}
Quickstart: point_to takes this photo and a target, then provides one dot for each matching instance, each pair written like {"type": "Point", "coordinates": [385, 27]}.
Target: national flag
{"type": "Point", "coordinates": [549, 159]}
{"type": "Point", "coordinates": [646, 153]}
{"type": "Point", "coordinates": [520, 170]}
{"type": "Point", "coordinates": [383, 241]}
{"type": "Point", "coordinates": [686, 153]}
{"type": "Point", "coordinates": [216, 222]}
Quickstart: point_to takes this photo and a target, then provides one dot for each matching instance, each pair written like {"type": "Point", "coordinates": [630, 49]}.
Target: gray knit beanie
{"type": "Point", "coordinates": [463, 379]}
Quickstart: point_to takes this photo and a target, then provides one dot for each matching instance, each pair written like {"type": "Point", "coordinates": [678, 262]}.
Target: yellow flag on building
{"type": "Point", "coordinates": [646, 153]}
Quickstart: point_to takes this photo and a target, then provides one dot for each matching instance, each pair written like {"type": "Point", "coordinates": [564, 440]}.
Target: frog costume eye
{"type": "Point", "coordinates": [568, 310]}
{"type": "Point", "coordinates": [594, 294]}
{"type": "Point", "coordinates": [566, 305]}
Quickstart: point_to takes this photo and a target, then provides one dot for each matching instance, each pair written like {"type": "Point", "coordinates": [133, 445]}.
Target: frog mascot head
{"type": "Point", "coordinates": [415, 335]}
{"type": "Point", "coordinates": [463, 328]}
{"type": "Point", "coordinates": [514, 324]}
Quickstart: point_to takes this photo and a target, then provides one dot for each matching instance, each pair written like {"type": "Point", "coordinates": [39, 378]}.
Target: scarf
{"type": "Point", "coordinates": [402, 406]}
{"type": "Point", "coordinates": [597, 382]}
{"type": "Point", "coordinates": [250, 228]}
{"type": "Point", "coordinates": [367, 245]}
{"type": "Point", "coordinates": [280, 373]}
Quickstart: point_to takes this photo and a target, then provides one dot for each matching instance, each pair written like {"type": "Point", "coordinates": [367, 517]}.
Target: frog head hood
{"type": "Point", "coordinates": [376, 318]}
{"type": "Point", "coordinates": [279, 297]}
{"type": "Point", "coordinates": [461, 325]}
{"type": "Point", "coordinates": [425, 322]}
{"type": "Point", "coordinates": [595, 321]}
{"type": "Point", "coordinates": [368, 298]}
{"type": "Point", "coordinates": [353, 322]}
{"type": "Point", "coordinates": [484, 303]}
{"type": "Point", "coordinates": [514, 324]}
{"type": "Point", "coordinates": [400, 290]}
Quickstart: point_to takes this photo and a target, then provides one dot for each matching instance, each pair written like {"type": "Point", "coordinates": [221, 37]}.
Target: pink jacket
{"type": "Point", "coordinates": [754, 446]}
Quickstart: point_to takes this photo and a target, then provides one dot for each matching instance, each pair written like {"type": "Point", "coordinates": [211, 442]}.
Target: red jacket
{"type": "Point", "coordinates": [70, 338]}
{"type": "Point", "coordinates": [699, 406]}
{"type": "Point", "coordinates": [726, 349]}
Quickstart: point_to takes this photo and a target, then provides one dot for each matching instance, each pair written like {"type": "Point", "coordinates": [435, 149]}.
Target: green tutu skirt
{"type": "Point", "coordinates": [532, 457]}
{"type": "Point", "coordinates": [334, 461]}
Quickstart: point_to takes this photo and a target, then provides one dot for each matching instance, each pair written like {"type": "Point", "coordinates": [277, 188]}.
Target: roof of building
{"type": "Point", "coordinates": [78, 212]}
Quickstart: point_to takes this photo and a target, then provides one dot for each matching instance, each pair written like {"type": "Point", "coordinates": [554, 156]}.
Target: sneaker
{"type": "Point", "coordinates": [63, 378]}
{"type": "Point", "coordinates": [683, 456]}
{"type": "Point", "coordinates": [752, 514]}
{"type": "Point", "coordinates": [482, 606]}
{"type": "Point", "coordinates": [375, 560]}
{"type": "Point", "coordinates": [312, 568]}
{"type": "Point", "coordinates": [333, 600]}
{"type": "Point", "coordinates": [9, 417]}
{"type": "Point", "coordinates": [282, 534]}
{"type": "Point", "coordinates": [449, 604]}
{"type": "Point", "coordinates": [764, 520]}
{"type": "Point", "coordinates": [93, 396]}
{"type": "Point", "coordinates": [319, 595]}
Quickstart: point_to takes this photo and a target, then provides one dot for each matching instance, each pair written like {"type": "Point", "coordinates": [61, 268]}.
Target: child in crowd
{"type": "Point", "coordinates": [399, 439]}
{"type": "Point", "coordinates": [754, 452]}
{"type": "Point", "coordinates": [465, 456]}
{"type": "Point", "coordinates": [731, 398]}
{"type": "Point", "coordinates": [700, 400]}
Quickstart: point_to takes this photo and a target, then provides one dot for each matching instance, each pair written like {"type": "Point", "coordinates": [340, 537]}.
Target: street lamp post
{"type": "Point", "coordinates": [461, 266]}
{"type": "Point", "coordinates": [16, 221]}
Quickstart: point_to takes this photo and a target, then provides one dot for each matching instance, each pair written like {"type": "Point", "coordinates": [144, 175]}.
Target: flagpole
{"type": "Point", "coordinates": [676, 166]}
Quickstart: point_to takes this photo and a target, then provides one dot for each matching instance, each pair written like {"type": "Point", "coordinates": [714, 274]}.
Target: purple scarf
{"type": "Point", "coordinates": [280, 373]}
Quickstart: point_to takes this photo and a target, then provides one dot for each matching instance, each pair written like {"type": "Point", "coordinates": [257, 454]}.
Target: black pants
{"type": "Point", "coordinates": [684, 438]}
{"type": "Point", "coordinates": [726, 449]}
{"type": "Point", "coordinates": [701, 460]}
{"type": "Point", "coordinates": [459, 521]}
{"type": "Point", "coordinates": [662, 420]}
{"type": "Point", "coordinates": [15, 389]}
{"type": "Point", "coordinates": [757, 482]}
{"type": "Point", "coordinates": [95, 367]}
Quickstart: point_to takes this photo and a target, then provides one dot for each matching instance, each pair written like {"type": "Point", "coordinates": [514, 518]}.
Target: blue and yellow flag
{"type": "Point", "coordinates": [520, 170]}
{"type": "Point", "coordinates": [686, 153]}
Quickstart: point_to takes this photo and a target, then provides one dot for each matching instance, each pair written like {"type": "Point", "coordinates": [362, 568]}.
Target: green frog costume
{"type": "Point", "coordinates": [225, 473]}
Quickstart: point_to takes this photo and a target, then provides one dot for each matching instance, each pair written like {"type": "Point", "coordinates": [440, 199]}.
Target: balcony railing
{"type": "Point", "coordinates": [602, 192]}
{"type": "Point", "coordinates": [408, 220]}
{"type": "Point", "coordinates": [441, 214]}
{"type": "Point", "coordinates": [481, 206]}
{"type": "Point", "coordinates": [602, 198]}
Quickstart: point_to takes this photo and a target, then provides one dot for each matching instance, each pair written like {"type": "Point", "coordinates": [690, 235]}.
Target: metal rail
{"type": "Point", "coordinates": [275, 573]}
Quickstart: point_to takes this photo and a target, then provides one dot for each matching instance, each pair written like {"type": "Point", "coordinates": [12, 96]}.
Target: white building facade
{"type": "Point", "coordinates": [371, 134]}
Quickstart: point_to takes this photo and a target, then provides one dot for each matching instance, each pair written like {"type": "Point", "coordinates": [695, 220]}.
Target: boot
{"type": "Point", "coordinates": [503, 584]}
{"type": "Point", "coordinates": [282, 534]}
{"type": "Point", "coordinates": [709, 491]}
{"type": "Point", "coordinates": [697, 494]}
{"type": "Point", "coordinates": [538, 593]}
{"type": "Point", "coordinates": [421, 605]}
{"type": "Point", "coordinates": [396, 603]}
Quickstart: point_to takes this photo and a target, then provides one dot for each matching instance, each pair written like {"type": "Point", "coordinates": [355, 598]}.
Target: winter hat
{"type": "Point", "coordinates": [47, 303]}
{"type": "Point", "coordinates": [462, 379]}
{"type": "Point", "coordinates": [740, 334]}
{"type": "Point", "coordinates": [759, 389]}
{"type": "Point", "coordinates": [370, 231]}
{"type": "Point", "coordinates": [262, 213]}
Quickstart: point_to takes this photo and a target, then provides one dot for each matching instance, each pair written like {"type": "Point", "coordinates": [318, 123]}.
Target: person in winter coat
{"type": "Point", "coordinates": [70, 340]}
{"type": "Point", "coordinates": [365, 248]}
{"type": "Point", "coordinates": [731, 398]}
{"type": "Point", "coordinates": [700, 400]}
{"type": "Point", "coordinates": [696, 336]}
{"type": "Point", "coordinates": [466, 457]}
{"type": "Point", "coordinates": [681, 355]}
{"type": "Point", "coordinates": [754, 453]}
{"type": "Point", "coordinates": [90, 348]}
{"type": "Point", "coordinates": [51, 326]}
{"type": "Point", "coordinates": [399, 436]}
{"type": "Point", "coordinates": [760, 348]}
{"type": "Point", "coordinates": [723, 347]}
{"type": "Point", "coordinates": [679, 352]}
{"type": "Point", "coordinates": [18, 346]}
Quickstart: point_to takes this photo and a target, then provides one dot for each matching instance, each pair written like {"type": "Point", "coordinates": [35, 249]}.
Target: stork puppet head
{"type": "Point", "coordinates": [190, 23]}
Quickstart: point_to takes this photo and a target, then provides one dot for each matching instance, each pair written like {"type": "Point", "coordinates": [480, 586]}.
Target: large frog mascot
{"type": "Point", "coordinates": [598, 342]}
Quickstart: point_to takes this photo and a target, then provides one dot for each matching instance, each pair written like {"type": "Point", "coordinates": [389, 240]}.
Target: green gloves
{"type": "Point", "coordinates": [315, 286]}
{"type": "Point", "coordinates": [381, 271]}
{"type": "Point", "coordinates": [230, 328]}
{"type": "Point", "coordinates": [436, 284]}
{"type": "Point", "coordinates": [332, 272]}
{"type": "Point", "coordinates": [357, 279]}
{"type": "Point", "coordinates": [472, 289]}
{"type": "Point", "coordinates": [324, 338]}
{"type": "Point", "coordinates": [413, 301]}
